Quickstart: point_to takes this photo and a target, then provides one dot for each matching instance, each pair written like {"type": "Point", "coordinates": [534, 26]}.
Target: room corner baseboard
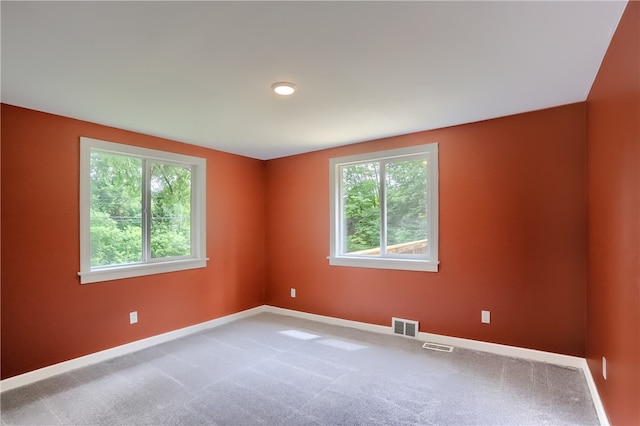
{"type": "Point", "coordinates": [365, 326]}
{"type": "Point", "coordinates": [96, 357]}
{"type": "Point", "coordinates": [595, 395]}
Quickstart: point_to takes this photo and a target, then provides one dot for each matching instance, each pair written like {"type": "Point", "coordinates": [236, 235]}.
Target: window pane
{"type": "Point", "coordinates": [170, 210]}
{"type": "Point", "coordinates": [406, 204]}
{"type": "Point", "coordinates": [361, 208]}
{"type": "Point", "coordinates": [116, 209]}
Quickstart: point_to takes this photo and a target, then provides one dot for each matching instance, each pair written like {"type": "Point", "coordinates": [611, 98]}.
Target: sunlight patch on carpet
{"type": "Point", "coordinates": [347, 346]}
{"type": "Point", "coordinates": [299, 334]}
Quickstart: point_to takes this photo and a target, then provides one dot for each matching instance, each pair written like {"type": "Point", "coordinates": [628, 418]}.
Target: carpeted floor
{"type": "Point", "coordinates": [278, 370]}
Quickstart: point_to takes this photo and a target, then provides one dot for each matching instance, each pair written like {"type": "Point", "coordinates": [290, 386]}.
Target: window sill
{"type": "Point", "coordinates": [138, 270]}
{"type": "Point", "coordinates": [385, 263]}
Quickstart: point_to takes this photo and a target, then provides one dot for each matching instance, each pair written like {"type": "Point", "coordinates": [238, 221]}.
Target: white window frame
{"type": "Point", "coordinates": [198, 258]}
{"type": "Point", "coordinates": [337, 257]}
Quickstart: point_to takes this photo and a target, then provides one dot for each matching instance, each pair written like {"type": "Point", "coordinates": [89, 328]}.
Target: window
{"type": "Point", "coordinates": [384, 209]}
{"type": "Point", "coordinates": [142, 211]}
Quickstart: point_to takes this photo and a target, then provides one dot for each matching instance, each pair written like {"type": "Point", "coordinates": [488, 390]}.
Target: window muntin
{"type": "Point", "coordinates": [142, 211]}
{"type": "Point", "coordinates": [384, 209]}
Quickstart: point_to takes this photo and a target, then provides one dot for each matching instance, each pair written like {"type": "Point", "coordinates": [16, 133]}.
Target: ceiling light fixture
{"type": "Point", "coordinates": [283, 88]}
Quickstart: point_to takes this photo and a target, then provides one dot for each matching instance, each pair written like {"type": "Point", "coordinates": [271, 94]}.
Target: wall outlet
{"type": "Point", "coordinates": [604, 368]}
{"type": "Point", "coordinates": [486, 317]}
{"type": "Point", "coordinates": [133, 317]}
{"type": "Point", "coordinates": [293, 292]}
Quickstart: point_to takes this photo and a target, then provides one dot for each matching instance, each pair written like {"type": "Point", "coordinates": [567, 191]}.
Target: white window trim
{"type": "Point", "coordinates": [413, 264]}
{"type": "Point", "coordinates": [198, 220]}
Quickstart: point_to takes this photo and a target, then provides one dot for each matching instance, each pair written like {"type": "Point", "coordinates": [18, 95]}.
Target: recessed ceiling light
{"type": "Point", "coordinates": [283, 88]}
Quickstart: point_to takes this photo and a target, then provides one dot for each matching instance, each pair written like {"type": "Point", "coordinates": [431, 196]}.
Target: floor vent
{"type": "Point", "coordinates": [437, 347]}
{"type": "Point", "coordinates": [404, 327]}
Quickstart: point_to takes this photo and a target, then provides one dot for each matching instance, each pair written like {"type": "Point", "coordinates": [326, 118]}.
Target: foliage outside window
{"type": "Point", "coordinates": [142, 211]}
{"type": "Point", "coordinates": [384, 209]}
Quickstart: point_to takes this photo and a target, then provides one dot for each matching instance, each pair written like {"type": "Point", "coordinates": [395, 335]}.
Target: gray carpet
{"type": "Point", "coordinates": [278, 370]}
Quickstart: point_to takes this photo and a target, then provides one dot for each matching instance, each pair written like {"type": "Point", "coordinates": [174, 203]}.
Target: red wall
{"type": "Point", "coordinates": [613, 298]}
{"type": "Point", "coordinates": [47, 315]}
{"type": "Point", "coordinates": [512, 236]}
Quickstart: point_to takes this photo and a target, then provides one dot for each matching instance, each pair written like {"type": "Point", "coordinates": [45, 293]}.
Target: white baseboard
{"type": "Point", "coordinates": [595, 395]}
{"type": "Point", "coordinates": [63, 367]}
{"type": "Point", "coordinates": [329, 320]}
{"type": "Point", "coordinates": [512, 351]}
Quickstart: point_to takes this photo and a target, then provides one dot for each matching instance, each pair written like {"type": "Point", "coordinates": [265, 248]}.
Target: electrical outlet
{"type": "Point", "coordinates": [293, 292]}
{"type": "Point", "coordinates": [133, 317]}
{"type": "Point", "coordinates": [486, 317]}
{"type": "Point", "coordinates": [604, 368]}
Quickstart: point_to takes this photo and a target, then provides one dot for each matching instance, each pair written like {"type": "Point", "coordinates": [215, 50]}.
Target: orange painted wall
{"type": "Point", "coordinates": [47, 315]}
{"type": "Point", "coordinates": [512, 236]}
{"type": "Point", "coordinates": [613, 150]}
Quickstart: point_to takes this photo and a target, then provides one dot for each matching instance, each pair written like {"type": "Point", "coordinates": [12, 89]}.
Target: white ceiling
{"type": "Point", "coordinates": [200, 72]}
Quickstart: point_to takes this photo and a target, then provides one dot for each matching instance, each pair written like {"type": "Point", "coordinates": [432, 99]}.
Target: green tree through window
{"type": "Point", "coordinates": [117, 204]}
{"type": "Point", "coordinates": [116, 209]}
{"type": "Point", "coordinates": [405, 209]}
{"type": "Point", "coordinates": [170, 211]}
